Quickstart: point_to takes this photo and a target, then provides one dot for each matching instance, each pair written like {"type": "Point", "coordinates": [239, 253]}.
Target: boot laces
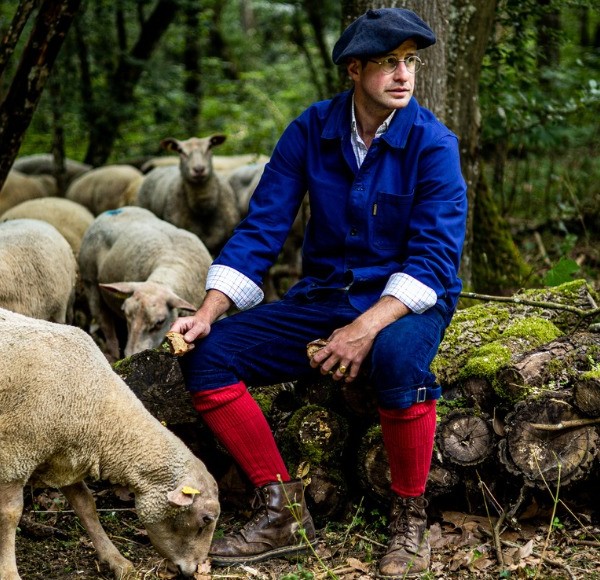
{"type": "Point", "coordinates": [259, 505]}
{"type": "Point", "coordinates": [403, 525]}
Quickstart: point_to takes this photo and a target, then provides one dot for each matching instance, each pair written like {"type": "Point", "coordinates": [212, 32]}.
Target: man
{"type": "Point", "coordinates": [380, 261]}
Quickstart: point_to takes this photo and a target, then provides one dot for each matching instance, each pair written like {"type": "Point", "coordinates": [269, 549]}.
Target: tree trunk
{"type": "Point", "coordinates": [9, 42]}
{"type": "Point", "coordinates": [112, 109]}
{"type": "Point", "coordinates": [482, 324]}
{"type": "Point", "coordinates": [465, 437]}
{"type": "Point", "coordinates": [537, 449]}
{"type": "Point", "coordinates": [51, 25]}
{"type": "Point", "coordinates": [193, 74]}
{"type": "Point", "coordinates": [586, 393]}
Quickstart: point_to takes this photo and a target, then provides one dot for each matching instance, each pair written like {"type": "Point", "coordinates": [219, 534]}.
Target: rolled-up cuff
{"type": "Point", "coordinates": [239, 288]}
{"type": "Point", "coordinates": [416, 295]}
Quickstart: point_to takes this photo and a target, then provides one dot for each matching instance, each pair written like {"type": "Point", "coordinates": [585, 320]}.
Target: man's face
{"type": "Point", "coordinates": [379, 91]}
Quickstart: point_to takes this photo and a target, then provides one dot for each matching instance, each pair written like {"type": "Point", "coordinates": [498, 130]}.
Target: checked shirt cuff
{"type": "Point", "coordinates": [416, 295]}
{"type": "Point", "coordinates": [235, 285]}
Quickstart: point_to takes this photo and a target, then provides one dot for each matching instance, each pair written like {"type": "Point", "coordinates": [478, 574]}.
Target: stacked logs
{"type": "Point", "coordinates": [521, 381]}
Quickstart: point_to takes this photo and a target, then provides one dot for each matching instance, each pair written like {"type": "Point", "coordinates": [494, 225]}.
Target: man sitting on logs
{"type": "Point", "coordinates": [380, 260]}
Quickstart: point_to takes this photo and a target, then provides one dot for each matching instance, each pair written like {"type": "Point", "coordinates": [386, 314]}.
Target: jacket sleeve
{"type": "Point", "coordinates": [259, 238]}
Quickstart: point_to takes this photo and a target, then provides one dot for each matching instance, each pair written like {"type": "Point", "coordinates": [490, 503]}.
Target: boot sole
{"type": "Point", "coordinates": [276, 553]}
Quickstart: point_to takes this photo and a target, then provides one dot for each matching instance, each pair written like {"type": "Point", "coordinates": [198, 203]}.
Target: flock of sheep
{"type": "Point", "coordinates": [144, 264]}
{"type": "Point", "coordinates": [130, 243]}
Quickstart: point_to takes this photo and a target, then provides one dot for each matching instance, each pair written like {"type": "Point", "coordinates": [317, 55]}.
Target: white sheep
{"type": "Point", "coordinates": [44, 164]}
{"type": "Point", "coordinates": [19, 187]}
{"type": "Point", "coordinates": [65, 416]}
{"type": "Point", "coordinates": [137, 266]}
{"type": "Point", "coordinates": [222, 164]}
{"type": "Point", "coordinates": [106, 187]}
{"type": "Point", "coordinates": [71, 219]}
{"type": "Point", "coordinates": [38, 271]}
{"type": "Point", "coordinates": [192, 196]}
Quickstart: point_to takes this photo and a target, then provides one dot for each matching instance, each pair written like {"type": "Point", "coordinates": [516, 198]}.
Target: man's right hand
{"type": "Point", "coordinates": [198, 325]}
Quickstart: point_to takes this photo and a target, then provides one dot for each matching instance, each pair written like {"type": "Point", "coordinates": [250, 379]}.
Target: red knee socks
{"type": "Point", "coordinates": [239, 424]}
{"type": "Point", "coordinates": [408, 438]}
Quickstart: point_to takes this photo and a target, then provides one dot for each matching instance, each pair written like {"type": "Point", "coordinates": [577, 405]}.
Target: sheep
{"type": "Point", "coordinates": [243, 181]}
{"type": "Point", "coordinates": [71, 219]}
{"type": "Point", "coordinates": [137, 266]}
{"type": "Point", "coordinates": [19, 187]}
{"type": "Point", "coordinates": [192, 196]}
{"type": "Point", "coordinates": [44, 164]}
{"type": "Point", "coordinates": [222, 164]}
{"type": "Point", "coordinates": [107, 187]}
{"type": "Point", "coordinates": [38, 271]}
{"type": "Point", "coordinates": [66, 416]}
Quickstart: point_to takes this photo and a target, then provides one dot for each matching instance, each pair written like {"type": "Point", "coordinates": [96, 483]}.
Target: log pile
{"type": "Point", "coordinates": [521, 404]}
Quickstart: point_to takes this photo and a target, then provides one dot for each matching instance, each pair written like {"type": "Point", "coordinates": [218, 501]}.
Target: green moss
{"type": "Point", "coordinates": [486, 361]}
{"type": "Point", "coordinates": [445, 406]}
{"type": "Point", "coordinates": [264, 401]}
{"type": "Point", "coordinates": [594, 374]}
{"type": "Point", "coordinates": [535, 330]}
{"type": "Point", "coordinates": [327, 433]}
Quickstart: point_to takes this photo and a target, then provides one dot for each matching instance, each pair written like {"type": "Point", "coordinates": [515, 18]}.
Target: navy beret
{"type": "Point", "coordinates": [380, 31]}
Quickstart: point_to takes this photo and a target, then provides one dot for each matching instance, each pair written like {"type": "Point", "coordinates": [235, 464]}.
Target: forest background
{"type": "Point", "coordinates": [134, 71]}
{"type": "Point", "coordinates": [517, 80]}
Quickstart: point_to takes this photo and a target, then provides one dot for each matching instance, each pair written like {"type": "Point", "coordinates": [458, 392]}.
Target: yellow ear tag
{"type": "Point", "coordinates": [187, 490]}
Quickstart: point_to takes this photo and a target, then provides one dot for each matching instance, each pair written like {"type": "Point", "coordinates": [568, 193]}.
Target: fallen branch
{"type": "Point", "coordinates": [536, 303]}
{"type": "Point", "coordinates": [565, 424]}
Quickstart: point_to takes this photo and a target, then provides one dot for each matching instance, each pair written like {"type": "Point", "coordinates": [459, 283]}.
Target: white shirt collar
{"type": "Point", "coordinates": [358, 145]}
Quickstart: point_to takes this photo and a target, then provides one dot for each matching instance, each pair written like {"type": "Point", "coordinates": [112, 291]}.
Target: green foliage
{"type": "Point", "coordinates": [565, 270]}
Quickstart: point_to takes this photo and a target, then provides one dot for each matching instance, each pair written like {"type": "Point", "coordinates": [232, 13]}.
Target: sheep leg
{"type": "Point", "coordinates": [82, 502]}
{"type": "Point", "coordinates": [11, 508]}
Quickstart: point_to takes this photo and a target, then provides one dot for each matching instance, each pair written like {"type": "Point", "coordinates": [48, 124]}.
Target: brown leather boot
{"type": "Point", "coordinates": [408, 552]}
{"type": "Point", "coordinates": [272, 531]}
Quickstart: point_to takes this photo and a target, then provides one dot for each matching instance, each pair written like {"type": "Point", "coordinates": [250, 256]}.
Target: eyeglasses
{"type": "Point", "coordinates": [390, 63]}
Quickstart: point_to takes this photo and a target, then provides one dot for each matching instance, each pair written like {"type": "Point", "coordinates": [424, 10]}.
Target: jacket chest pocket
{"type": "Point", "coordinates": [391, 215]}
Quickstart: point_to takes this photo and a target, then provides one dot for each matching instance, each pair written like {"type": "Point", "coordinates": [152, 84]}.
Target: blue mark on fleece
{"type": "Point", "coordinates": [113, 211]}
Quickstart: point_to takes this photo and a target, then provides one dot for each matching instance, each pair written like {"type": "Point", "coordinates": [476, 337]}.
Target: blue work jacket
{"type": "Point", "coordinates": [404, 209]}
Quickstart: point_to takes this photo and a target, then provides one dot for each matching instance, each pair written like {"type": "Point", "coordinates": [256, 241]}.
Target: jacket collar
{"type": "Point", "coordinates": [339, 121]}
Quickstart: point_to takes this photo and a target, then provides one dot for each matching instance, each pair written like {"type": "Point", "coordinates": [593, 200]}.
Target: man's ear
{"type": "Point", "coordinates": [354, 68]}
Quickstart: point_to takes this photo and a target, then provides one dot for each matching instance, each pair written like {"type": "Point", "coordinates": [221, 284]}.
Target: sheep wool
{"type": "Point", "coordinates": [65, 415]}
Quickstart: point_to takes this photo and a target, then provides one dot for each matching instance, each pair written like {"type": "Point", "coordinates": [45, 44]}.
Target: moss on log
{"type": "Point", "coordinates": [482, 324]}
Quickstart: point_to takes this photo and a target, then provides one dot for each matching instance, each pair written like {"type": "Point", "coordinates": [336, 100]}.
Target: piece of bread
{"type": "Point", "coordinates": [177, 344]}
{"type": "Point", "coordinates": [315, 346]}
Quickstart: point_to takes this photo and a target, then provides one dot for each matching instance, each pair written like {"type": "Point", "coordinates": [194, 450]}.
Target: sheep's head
{"type": "Point", "coordinates": [195, 156]}
{"type": "Point", "coordinates": [150, 309]}
{"type": "Point", "coordinates": [182, 522]}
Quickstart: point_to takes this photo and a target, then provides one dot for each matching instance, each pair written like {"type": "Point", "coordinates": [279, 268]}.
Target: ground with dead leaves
{"type": "Point", "coordinates": [542, 543]}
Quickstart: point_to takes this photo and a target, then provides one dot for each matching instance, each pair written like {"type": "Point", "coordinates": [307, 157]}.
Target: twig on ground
{"type": "Point", "coordinates": [374, 542]}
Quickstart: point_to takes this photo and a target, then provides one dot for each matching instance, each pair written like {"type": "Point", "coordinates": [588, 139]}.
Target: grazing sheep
{"type": "Point", "coordinates": [71, 219]}
{"type": "Point", "coordinates": [65, 415]}
{"type": "Point", "coordinates": [38, 271]}
{"type": "Point", "coordinates": [137, 266]}
{"type": "Point", "coordinates": [192, 196]}
{"type": "Point", "coordinates": [19, 187]}
{"type": "Point", "coordinates": [43, 164]}
{"type": "Point", "coordinates": [107, 187]}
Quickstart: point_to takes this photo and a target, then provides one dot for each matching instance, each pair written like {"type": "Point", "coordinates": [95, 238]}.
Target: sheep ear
{"type": "Point", "coordinates": [182, 304]}
{"type": "Point", "coordinates": [217, 140]}
{"type": "Point", "coordinates": [182, 496]}
{"type": "Point", "coordinates": [122, 290]}
{"type": "Point", "coordinates": [171, 144]}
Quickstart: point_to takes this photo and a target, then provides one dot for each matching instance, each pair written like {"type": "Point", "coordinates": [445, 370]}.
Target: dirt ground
{"type": "Point", "coordinates": [52, 545]}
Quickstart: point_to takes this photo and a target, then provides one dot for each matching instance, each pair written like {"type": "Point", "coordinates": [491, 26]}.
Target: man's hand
{"type": "Point", "coordinates": [198, 325]}
{"type": "Point", "coordinates": [347, 347]}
